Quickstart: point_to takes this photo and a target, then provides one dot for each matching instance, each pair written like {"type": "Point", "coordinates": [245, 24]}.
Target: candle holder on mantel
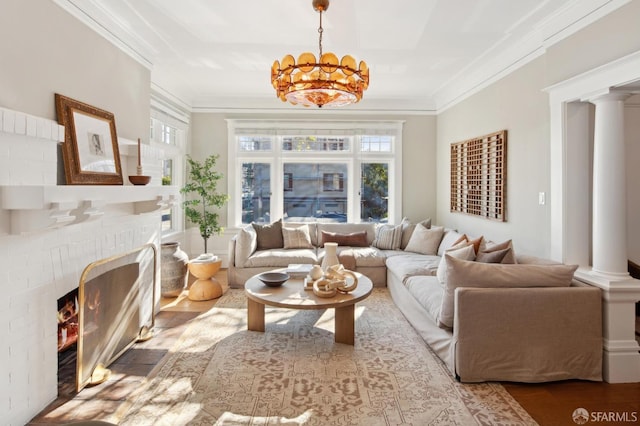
{"type": "Point", "coordinates": [139, 178]}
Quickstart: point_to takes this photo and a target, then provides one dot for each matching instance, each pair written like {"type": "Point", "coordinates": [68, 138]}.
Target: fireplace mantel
{"type": "Point", "coordinates": [36, 208]}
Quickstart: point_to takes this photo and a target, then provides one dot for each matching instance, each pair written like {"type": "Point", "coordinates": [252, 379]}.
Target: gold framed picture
{"type": "Point", "coordinates": [90, 150]}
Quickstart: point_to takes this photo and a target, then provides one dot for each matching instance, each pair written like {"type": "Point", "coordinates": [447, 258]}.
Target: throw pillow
{"type": "Point", "coordinates": [296, 237]}
{"type": "Point", "coordinates": [448, 240]}
{"type": "Point", "coordinates": [354, 239]}
{"type": "Point", "coordinates": [464, 273]}
{"type": "Point", "coordinates": [510, 257]}
{"type": "Point", "coordinates": [424, 240]}
{"type": "Point", "coordinates": [269, 235]}
{"type": "Point", "coordinates": [464, 251]}
{"type": "Point", "coordinates": [496, 256]}
{"type": "Point", "coordinates": [388, 237]}
{"type": "Point", "coordinates": [476, 242]}
{"type": "Point", "coordinates": [408, 228]}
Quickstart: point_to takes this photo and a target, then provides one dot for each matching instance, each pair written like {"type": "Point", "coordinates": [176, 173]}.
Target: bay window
{"type": "Point", "coordinates": [309, 171]}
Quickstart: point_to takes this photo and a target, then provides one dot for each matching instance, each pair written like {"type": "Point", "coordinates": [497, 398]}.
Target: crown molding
{"type": "Point", "coordinates": [503, 58]}
{"type": "Point", "coordinates": [500, 62]}
{"type": "Point", "coordinates": [113, 31]}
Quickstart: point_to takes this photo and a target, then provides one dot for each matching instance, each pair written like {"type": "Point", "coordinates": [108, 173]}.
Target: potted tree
{"type": "Point", "coordinates": [203, 196]}
{"type": "Point", "coordinates": [201, 189]}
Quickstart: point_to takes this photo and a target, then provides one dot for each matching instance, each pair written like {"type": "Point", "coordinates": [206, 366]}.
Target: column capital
{"type": "Point", "coordinates": [607, 95]}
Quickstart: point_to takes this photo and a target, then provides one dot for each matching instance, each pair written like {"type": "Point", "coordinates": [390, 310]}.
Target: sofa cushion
{"type": "Point", "coordinates": [361, 256]}
{"type": "Point", "coordinates": [353, 239]}
{"type": "Point", "coordinates": [388, 237]}
{"type": "Point", "coordinates": [526, 259]}
{"type": "Point", "coordinates": [464, 273]}
{"type": "Point", "coordinates": [448, 239]}
{"type": "Point", "coordinates": [408, 228]}
{"type": "Point", "coordinates": [296, 237]}
{"type": "Point", "coordinates": [246, 244]}
{"type": "Point", "coordinates": [462, 250]}
{"type": "Point", "coordinates": [489, 247]}
{"type": "Point", "coordinates": [269, 235]}
{"type": "Point", "coordinates": [369, 257]}
{"type": "Point", "coordinates": [411, 264]}
{"type": "Point", "coordinates": [477, 242]}
{"type": "Point", "coordinates": [347, 228]}
{"type": "Point", "coordinates": [281, 258]}
{"type": "Point", "coordinates": [428, 293]}
{"type": "Point", "coordinates": [496, 256]}
{"type": "Point", "coordinates": [313, 229]}
{"type": "Point", "coordinates": [425, 240]}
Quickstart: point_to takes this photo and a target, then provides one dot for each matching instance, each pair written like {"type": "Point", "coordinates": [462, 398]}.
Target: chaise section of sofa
{"type": "Point", "coordinates": [507, 329]}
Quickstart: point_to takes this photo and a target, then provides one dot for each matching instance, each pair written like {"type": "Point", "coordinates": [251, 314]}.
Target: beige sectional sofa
{"type": "Point", "coordinates": [525, 322]}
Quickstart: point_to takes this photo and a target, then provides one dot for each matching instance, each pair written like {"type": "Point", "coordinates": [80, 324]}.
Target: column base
{"type": "Point", "coordinates": [621, 367]}
{"type": "Point", "coordinates": [621, 353]}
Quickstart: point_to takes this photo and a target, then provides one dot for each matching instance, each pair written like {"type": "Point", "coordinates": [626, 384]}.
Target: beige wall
{"type": "Point", "coordinates": [612, 37]}
{"type": "Point", "coordinates": [519, 104]}
{"type": "Point", "coordinates": [209, 136]}
{"type": "Point", "coordinates": [516, 103]}
{"type": "Point", "coordinates": [44, 50]}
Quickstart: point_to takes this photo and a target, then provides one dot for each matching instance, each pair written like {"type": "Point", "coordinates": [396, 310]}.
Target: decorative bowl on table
{"type": "Point", "coordinates": [273, 279]}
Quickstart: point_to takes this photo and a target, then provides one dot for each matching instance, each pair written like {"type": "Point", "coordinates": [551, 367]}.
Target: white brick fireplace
{"type": "Point", "coordinates": [48, 234]}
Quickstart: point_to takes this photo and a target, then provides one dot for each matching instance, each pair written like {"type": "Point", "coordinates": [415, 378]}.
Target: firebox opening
{"type": "Point", "coordinates": [67, 342]}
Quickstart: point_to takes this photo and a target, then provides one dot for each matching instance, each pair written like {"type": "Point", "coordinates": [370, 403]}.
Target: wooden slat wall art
{"type": "Point", "coordinates": [478, 176]}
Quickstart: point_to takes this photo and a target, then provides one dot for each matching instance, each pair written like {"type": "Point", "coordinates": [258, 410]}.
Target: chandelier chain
{"type": "Point", "coordinates": [320, 31]}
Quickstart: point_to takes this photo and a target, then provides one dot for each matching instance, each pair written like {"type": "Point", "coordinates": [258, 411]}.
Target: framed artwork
{"type": "Point", "coordinates": [479, 176]}
{"type": "Point", "coordinates": [90, 150]}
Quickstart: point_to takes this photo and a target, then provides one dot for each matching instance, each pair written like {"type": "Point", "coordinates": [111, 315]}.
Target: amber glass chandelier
{"type": "Point", "coordinates": [323, 82]}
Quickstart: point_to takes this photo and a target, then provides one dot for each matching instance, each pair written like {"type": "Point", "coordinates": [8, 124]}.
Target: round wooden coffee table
{"type": "Point", "coordinates": [292, 295]}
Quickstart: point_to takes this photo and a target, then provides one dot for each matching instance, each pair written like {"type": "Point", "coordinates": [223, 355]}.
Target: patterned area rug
{"type": "Point", "coordinates": [219, 373]}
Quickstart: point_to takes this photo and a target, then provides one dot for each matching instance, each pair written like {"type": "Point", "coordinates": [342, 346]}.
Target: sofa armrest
{"type": "Point", "coordinates": [528, 334]}
{"type": "Point", "coordinates": [232, 251]}
{"type": "Point", "coordinates": [243, 244]}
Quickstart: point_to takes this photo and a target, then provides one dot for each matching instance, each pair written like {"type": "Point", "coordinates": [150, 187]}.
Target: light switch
{"type": "Point", "coordinates": [541, 198]}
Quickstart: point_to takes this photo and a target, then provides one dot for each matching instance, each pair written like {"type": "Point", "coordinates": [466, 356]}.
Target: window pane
{"type": "Point", "coordinates": [375, 192]}
{"type": "Point", "coordinates": [167, 173]}
{"type": "Point", "coordinates": [315, 143]}
{"type": "Point", "coordinates": [254, 143]}
{"type": "Point", "coordinates": [256, 192]}
{"type": "Point", "coordinates": [318, 191]}
{"type": "Point", "coordinates": [376, 143]}
{"type": "Point", "coordinates": [169, 134]}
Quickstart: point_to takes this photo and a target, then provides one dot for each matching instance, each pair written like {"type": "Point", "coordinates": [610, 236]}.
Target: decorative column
{"type": "Point", "coordinates": [609, 188]}
{"type": "Point", "coordinates": [620, 292]}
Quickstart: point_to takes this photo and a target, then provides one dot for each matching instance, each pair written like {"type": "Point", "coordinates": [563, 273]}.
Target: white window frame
{"type": "Point", "coordinates": [277, 157]}
{"type": "Point", "coordinates": [168, 120]}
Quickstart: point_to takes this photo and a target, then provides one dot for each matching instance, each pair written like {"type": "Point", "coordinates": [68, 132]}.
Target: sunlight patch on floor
{"type": "Point", "coordinates": [228, 418]}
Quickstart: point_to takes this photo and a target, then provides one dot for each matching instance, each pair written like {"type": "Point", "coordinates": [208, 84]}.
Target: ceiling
{"type": "Point", "coordinates": [423, 54]}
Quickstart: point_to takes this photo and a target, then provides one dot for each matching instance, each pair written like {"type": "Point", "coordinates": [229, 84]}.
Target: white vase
{"type": "Point", "coordinates": [330, 256]}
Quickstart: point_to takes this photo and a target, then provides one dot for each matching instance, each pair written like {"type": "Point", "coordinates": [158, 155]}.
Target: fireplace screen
{"type": "Point", "coordinates": [116, 299]}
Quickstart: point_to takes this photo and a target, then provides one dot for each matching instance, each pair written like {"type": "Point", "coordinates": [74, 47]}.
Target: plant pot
{"type": "Point", "coordinates": [173, 270]}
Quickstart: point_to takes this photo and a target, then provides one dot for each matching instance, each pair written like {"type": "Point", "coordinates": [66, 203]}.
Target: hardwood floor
{"type": "Point", "coordinates": [548, 403]}
{"type": "Point", "coordinates": [554, 403]}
